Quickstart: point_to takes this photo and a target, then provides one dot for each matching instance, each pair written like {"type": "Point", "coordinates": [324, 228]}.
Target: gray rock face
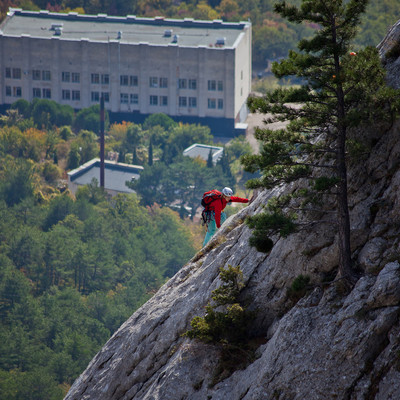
{"type": "Point", "coordinates": [329, 345]}
{"type": "Point", "coordinates": [391, 55]}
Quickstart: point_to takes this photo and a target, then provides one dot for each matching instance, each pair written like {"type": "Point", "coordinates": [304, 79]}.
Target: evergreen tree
{"type": "Point", "coordinates": [341, 90]}
{"type": "Point", "coordinates": [150, 160]}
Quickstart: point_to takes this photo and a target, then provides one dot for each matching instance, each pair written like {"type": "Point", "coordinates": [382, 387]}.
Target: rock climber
{"type": "Point", "coordinates": [214, 203]}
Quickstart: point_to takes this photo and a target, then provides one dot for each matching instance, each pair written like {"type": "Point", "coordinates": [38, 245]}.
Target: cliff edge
{"type": "Point", "coordinates": [331, 344]}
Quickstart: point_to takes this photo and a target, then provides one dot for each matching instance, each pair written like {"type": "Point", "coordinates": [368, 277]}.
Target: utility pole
{"type": "Point", "coordinates": [102, 141]}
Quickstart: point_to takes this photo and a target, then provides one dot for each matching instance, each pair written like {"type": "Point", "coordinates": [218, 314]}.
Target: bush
{"type": "Point", "coordinates": [51, 173]}
{"type": "Point", "coordinates": [23, 106]}
{"type": "Point", "coordinates": [226, 320]}
{"type": "Point", "coordinates": [226, 324]}
{"type": "Point", "coordinates": [299, 287]}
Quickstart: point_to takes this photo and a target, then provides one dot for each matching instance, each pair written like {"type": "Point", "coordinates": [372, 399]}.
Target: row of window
{"type": "Point", "coordinates": [74, 77]}
{"type": "Point", "coordinates": [41, 93]}
{"type": "Point", "coordinates": [15, 91]}
{"type": "Point", "coordinates": [183, 83]}
{"type": "Point", "coordinates": [95, 96]}
{"type": "Point", "coordinates": [125, 98]}
{"type": "Point", "coordinates": [132, 98]}
{"type": "Point", "coordinates": [104, 79]}
{"type": "Point", "coordinates": [128, 80]}
{"type": "Point", "coordinates": [14, 73]}
{"type": "Point", "coordinates": [71, 95]}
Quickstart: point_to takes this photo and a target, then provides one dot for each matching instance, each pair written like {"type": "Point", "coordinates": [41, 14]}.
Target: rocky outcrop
{"type": "Point", "coordinates": [389, 50]}
{"type": "Point", "coordinates": [331, 344]}
{"type": "Point", "coordinates": [328, 345]}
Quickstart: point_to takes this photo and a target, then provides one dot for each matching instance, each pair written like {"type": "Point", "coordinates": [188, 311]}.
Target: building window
{"type": "Point", "coordinates": [124, 98]}
{"type": "Point", "coordinates": [192, 102]}
{"type": "Point", "coordinates": [8, 72]}
{"type": "Point", "coordinates": [106, 96]}
{"type": "Point", "coordinates": [163, 82]}
{"type": "Point", "coordinates": [105, 79]}
{"type": "Point", "coordinates": [211, 103]}
{"type": "Point", "coordinates": [95, 96]}
{"type": "Point", "coordinates": [95, 79]}
{"type": "Point", "coordinates": [65, 76]}
{"type": "Point", "coordinates": [153, 100]}
{"type": "Point", "coordinates": [46, 76]}
{"type": "Point", "coordinates": [17, 91]}
{"type": "Point", "coordinates": [76, 77]}
{"type": "Point", "coordinates": [8, 90]}
{"type": "Point", "coordinates": [134, 98]}
{"type": "Point", "coordinates": [153, 82]}
{"type": "Point", "coordinates": [182, 101]}
{"type": "Point", "coordinates": [163, 101]}
{"type": "Point", "coordinates": [220, 104]}
{"type": "Point", "coordinates": [76, 95]}
{"type": "Point", "coordinates": [182, 83]}
{"type": "Point", "coordinates": [212, 85]}
{"type": "Point", "coordinates": [133, 80]}
{"type": "Point", "coordinates": [220, 86]}
{"type": "Point", "coordinates": [241, 74]}
{"type": "Point", "coordinates": [123, 80]}
{"type": "Point", "coordinates": [66, 95]}
{"type": "Point", "coordinates": [46, 93]}
{"type": "Point", "coordinates": [16, 73]}
{"type": "Point", "coordinates": [193, 84]}
{"type": "Point", "coordinates": [36, 93]}
{"type": "Point", "coordinates": [36, 74]}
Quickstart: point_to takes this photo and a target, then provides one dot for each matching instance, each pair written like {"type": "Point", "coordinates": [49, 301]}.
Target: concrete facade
{"type": "Point", "coordinates": [187, 69]}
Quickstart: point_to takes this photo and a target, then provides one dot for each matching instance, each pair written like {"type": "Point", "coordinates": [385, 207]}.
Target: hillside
{"type": "Point", "coordinates": [324, 343]}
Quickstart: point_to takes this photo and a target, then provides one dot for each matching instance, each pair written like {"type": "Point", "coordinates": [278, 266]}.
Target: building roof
{"type": "Point", "coordinates": [130, 29]}
{"type": "Point", "coordinates": [115, 174]}
{"type": "Point", "coordinates": [203, 150]}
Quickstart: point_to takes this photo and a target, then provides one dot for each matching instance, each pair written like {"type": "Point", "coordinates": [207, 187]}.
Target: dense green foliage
{"type": "Point", "coordinates": [71, 269]}
{"type": "Point", "coordinates": [273, 37]}
{"type": "Point", "coordinates": [226, 324]}
{"type": "Point", "coordinates": [226, 320]}
{"type": "Point", "coordinates": [342, 90]}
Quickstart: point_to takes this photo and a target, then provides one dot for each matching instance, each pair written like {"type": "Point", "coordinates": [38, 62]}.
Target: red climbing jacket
{"type": "Point", "coordinates": [218, 204]}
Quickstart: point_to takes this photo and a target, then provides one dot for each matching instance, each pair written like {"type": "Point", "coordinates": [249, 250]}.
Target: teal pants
{"type": "Point", "coordinates": [212, 227]}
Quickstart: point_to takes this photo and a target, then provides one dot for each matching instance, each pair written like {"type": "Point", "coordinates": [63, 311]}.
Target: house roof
{"type": "Point", "coordinates": [129, 29]}
{"type": "Point", "coordinates": [203, 150]}
{"type": "Point", "coordinates": [115, 174]}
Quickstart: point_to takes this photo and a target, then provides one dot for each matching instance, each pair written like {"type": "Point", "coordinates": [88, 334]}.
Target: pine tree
{"type": "Point", "coordinates": [341, 90]}
{"type": "Point", "coordinates": [150, 161]}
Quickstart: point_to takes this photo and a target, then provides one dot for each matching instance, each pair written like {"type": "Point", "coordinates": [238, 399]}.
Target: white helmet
{"type": "Point", "coordinates": [227, 191]}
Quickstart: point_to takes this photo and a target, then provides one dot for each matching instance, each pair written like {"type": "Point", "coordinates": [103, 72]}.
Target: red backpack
{"type": "Point", "coordinates": [209, 197]}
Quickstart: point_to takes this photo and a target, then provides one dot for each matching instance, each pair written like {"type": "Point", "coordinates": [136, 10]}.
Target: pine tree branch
{"type": "Point", "coordinates": [316, 165]}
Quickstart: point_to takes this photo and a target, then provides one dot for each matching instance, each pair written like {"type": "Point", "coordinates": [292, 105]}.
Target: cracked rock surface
{"type": "Point", "coordinates": [331, 344]}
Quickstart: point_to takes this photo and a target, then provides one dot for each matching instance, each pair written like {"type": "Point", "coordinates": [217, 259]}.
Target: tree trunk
{"type": "Point", "coordinates": [345, 263]}
{"type": "Point", "coordinates": [345, 268]}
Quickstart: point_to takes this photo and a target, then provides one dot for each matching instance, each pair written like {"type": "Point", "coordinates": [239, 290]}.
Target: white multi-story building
{"type": "Point", "coordinates": [193, 71]}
